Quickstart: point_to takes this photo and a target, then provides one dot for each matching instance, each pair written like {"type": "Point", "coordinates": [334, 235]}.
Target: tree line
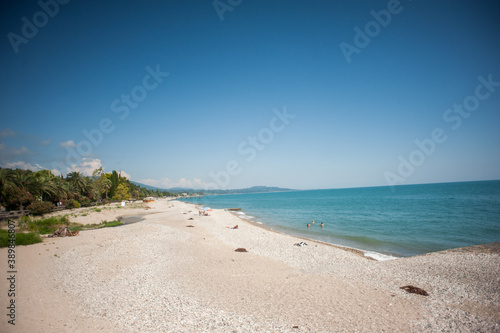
{"type": "Point", "coordinates": [41, 191]}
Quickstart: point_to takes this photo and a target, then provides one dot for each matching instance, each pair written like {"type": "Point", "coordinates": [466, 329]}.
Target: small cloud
{"type": "Point", "coordinates": [69, 144]}
{"type": "Point", "coordinates": [22, 165]}
{"type": "Point", "coordinates": [150, 182]}
{"type": "Point", "coordinates": [86, 166]}
{"type": "Point", "coordinates": [46, 142]}
{"type": "Point", "coordinates": [7, 152]}
{"type": "Point", "coordinates": [20, 151]}
{"type": "Point", "coordinates": [7, 132]}
{"type": "Point", "coordinates": [182, 182]}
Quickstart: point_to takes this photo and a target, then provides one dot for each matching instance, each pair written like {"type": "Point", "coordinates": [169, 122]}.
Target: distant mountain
{"type": "Point", "coordinates": [254, 189]}
{"type": "Point", "coordinates": [148, 187]}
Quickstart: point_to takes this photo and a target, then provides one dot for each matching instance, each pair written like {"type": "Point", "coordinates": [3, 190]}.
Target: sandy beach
{"type": "Point", "coordinates": [159, 275]}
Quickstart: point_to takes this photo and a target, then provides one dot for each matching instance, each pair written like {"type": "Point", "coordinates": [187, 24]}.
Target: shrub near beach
{"type": "Point", "coordinates": [40, 207]}
{"type": "Point", "coordinates": [30, 229]}
{"type": "Point", "coordinates": [21, 238]}
{"type": "Point", "coordinates": [41, 191]}
{"type": "Point", "coordinates": [48, 225]}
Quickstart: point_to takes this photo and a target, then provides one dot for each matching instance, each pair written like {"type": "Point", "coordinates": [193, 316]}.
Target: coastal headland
{"type": "Point", "coordinates": [177, 271]}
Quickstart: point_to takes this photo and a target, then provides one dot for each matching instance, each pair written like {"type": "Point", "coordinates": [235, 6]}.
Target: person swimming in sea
{"type": "Point", "coordinates": [322, 225]}
{"type": "Point", "coordinates": [308, 225]}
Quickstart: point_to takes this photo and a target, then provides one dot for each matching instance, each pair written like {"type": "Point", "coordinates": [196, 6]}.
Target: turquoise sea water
{"type": "Point", "coordinates": [399, 221]}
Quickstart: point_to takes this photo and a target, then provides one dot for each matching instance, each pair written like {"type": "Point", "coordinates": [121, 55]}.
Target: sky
{"type": "Point", "coordinates": [238, 93]}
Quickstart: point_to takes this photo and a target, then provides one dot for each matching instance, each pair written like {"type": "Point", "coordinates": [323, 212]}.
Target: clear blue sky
{"type": "Point", "coordinates": [358, 106]}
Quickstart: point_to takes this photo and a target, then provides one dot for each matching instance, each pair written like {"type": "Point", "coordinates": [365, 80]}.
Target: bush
{"type": "Point", "coordinates": [49, 225]}
{"type": "Point", "coordinates": [21, 238]}
{"type": "Point", "coordinates": [114, 223]}
{"type": "Point", "coordinates": [85, 202]}
{"type": "Point", "coordinates": [40, 207]}
{"type": "Point", "coordinates": [72, 204]}
{"type": "Point", "coordinates": [28, 238]}
{"type": "Point", "coordinates": [103, 224]}
{"type": "Point", "coordinates": [17, 198]}
{"type": "Point", "coordinates": [23, 222]}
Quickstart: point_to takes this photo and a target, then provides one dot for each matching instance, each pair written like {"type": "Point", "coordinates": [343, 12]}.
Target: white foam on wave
{"type": "Point", "coordinates": [379, 256]}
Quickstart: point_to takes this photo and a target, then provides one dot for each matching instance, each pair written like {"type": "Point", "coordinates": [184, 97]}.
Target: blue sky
{"type": "Point", "coordinates": [244, 93]}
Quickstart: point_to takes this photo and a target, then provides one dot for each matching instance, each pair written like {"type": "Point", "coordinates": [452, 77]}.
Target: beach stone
{"type": "Point", "coordinates": [241, 249]}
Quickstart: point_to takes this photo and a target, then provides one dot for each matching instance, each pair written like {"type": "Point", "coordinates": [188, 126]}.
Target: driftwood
{"type": "Point", "coordinates": [64, 232]}
{"type": "Point", "coordinates": [415, 290]}
{"type": "Point", "coordinates": [241, 249]}
{"type": "Point", "coordinates": [190, 226]}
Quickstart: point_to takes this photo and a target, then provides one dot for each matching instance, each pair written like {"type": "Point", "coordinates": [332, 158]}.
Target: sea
{"type": "Point", "coordinates": [384, 222]}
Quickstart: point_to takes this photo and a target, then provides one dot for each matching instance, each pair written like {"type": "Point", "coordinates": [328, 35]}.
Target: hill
{"type": "Point", "coordinates": [254, 189]}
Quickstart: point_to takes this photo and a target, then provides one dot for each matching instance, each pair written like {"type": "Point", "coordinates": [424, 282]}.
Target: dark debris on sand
{"type": "Point", "coordinates": [415, 290]}
{"type": "Point", "coordinates": [241, 249]}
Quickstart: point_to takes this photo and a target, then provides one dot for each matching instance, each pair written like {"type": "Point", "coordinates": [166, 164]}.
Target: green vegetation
{"type": "Point", "coordinates": [103, 224]}
{"type": "Point", "coordinates": [40, 207]}
{"type": "Point", "coordinates": [122, 193]}
{"type": "Point", "coordinates": [48, 225]}
{"type": "Point", "coordinates": [37, 227]}
{"type": "Point", "coordinates": [41, 191]}
{"type": "Point", "coordinates": [112, 224]}
{"type": "Point", "coordinates": [72, 204]}
{"type": "Point", "coordinates": [21, 238]}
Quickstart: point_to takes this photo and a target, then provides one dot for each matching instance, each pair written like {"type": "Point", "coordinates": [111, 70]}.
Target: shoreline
{"type": "Point", "coordinates": [371, 255]}
{"type": "Point", "coordinates": [160, 275]}
{"type": "Point", "coordinates": [368, 254]}
{"type": "Point", "coordinates": [265, 227]}
{"type": "Point", "coordinates": [379, 221]}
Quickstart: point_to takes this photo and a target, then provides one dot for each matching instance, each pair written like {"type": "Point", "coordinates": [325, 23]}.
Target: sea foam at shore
{"type": "Point", "coordinates": [383, 221]}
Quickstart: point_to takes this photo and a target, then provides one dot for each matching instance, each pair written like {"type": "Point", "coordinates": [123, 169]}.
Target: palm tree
{"type": "Point", "coordinates": [22, 179]}
{"type": "Point", "coordinates": [106, 185]}
{"type": "Point", "coordinates": [77, 181]}
{"type": "Point", "coordinates": [44, 185]}
{"type": "Point", "coordinates": [89, 187]}
{"type": "Point", "coordinates": [18, 190]}
{"type": "Point", "coordinates": [67, 190]}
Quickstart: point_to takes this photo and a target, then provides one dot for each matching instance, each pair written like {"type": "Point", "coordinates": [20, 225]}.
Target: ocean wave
{"type": "Point", "coordinates": [379, 256]}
